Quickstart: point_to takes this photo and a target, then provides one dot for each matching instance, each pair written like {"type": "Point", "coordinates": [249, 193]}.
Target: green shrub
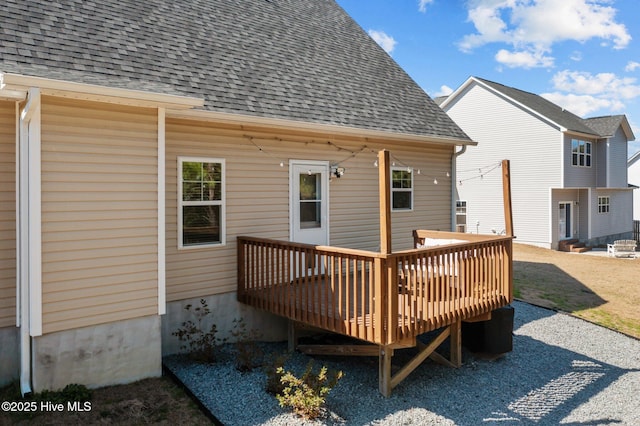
{"type": "Point", "coordinates": [71, 392]}
{"type": "Point", "coordinates": [306, 395]}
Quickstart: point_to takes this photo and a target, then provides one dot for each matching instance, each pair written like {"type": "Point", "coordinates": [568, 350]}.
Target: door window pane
{"type": "Point", "coordinates": [310, 200]}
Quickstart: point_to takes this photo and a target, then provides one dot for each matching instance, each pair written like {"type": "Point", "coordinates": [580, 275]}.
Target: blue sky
{"type": "Point", "coordinates": [583, 55]}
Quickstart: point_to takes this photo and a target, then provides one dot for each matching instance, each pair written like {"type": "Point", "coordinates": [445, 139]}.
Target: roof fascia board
{"type": "Point", "coordinates": [635, 157]}
{"type": "Point", "coordinates": [19, 83]}
{"type": "Point", "coordinates": [626, 128]}
{"type": "Point", "coordinates": [456, 92]}
{"type": "Point", "coordinates": [12, 95]}
{"type": "Point", "coordinates": [300, 126]}
{"type": "Point", "coordinates": [584, 135]}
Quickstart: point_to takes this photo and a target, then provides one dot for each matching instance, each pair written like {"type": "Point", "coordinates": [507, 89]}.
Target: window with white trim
{"type": "Point", "coordinates": [201, 202]}
{"type": "Point", "coordinates": [603, 204]}
{"type": "Point", "coordinates": [580, 153]}
{"type": "Point", "coordinates": [401, 189]}
{"type": "Point", "coordinates": [461, 216]}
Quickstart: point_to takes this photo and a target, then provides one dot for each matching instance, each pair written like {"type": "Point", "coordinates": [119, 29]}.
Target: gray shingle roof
{"type": "Point", "coordinates": [544, 107]}
{"type": "Point", "coordinates": [607, 125]}
{"type": "Point", "coordinates": [292, 59]}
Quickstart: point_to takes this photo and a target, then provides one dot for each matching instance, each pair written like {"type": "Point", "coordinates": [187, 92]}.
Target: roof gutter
{"type": "Point", "coordinates": [246, 122]}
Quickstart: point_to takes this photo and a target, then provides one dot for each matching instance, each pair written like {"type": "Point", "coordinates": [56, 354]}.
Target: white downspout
{"type": "Point", "coordinates": [28, 248]}
{"type": "Point", "coordinates": [454, 159]}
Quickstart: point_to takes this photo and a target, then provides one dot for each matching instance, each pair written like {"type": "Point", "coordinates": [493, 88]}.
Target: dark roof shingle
{"type": "Point", "coordinates": [543, 107]}
{"type": "Point", "coordinates": [292, 59]}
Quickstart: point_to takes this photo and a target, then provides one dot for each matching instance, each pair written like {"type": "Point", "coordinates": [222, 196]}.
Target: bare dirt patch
{"type": "Point", "coordinates": [600, 289]}
{"type": "Point", "coordinates": [151, 401]}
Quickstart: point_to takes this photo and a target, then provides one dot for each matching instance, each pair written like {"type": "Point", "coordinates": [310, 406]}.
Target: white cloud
{"type": "Point", "coordinates": [632, 66]}
{"type": "Point", "coordinates": [422, 5]}
{"type": "Point", "coordinates": [524, 59]}
{"type": "Point", "coordinates": [584, 93]}
{"type": "Point", "coordinates": [533, 26]}
{"type": "Point", "coordinates": [576, 56]}
{"type": "Point", "coordinates": [444, 91]}
{"type": "Point", "coordinates": [581, 105]}
{"type": "Point", "coordinates": [384, 40]}
{"type": "Point", "coordinates": [602, 84]}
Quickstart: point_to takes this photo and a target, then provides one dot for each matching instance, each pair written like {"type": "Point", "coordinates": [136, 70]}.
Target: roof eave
{"type": "Point", "coordinates": [582, 134]}
{"type": "Point", "coordinates": [244, 121]}
{"type": "Point", "coordinates": [17, 83]}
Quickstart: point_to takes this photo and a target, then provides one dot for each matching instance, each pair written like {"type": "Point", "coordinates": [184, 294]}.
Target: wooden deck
{"type": "Point", "coordinates": [378, 298]}
{"type": "Point", "coordinates": [386, 300]}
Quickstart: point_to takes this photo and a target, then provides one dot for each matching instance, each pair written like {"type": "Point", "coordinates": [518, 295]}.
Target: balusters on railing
{"type": "Point", "coordinates": [361, 293]}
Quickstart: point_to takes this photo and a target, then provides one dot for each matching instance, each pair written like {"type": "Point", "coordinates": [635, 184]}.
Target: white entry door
{"type": "Point", "coordinates": [309, 201]}
{"type": "Point", "coordinates": [564, 221]}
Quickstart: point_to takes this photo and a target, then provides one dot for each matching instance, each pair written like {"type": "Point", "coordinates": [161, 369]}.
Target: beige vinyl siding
{"type": "Point", "coordinates": [99, 213]}
{"type": "Point", "coordinates": [257, 196]}
{"type": "Point", "coordinates": [7, 214]}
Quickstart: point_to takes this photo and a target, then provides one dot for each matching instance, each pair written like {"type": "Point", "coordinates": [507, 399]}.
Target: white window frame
{"type": "Point", "coordinates": [604, 204]}
{"type": "Point", "coordinates": [409, 190]}
{"type": "Point", "coordinates": [221, 203]}
{"type": "Point", "coordinates": [460, 205]}
{"type": "Point", "coordinates": [588, 146]}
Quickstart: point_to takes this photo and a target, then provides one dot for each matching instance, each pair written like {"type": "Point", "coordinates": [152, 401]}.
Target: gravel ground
{"type": "Point", "coordinates": [562, 370]}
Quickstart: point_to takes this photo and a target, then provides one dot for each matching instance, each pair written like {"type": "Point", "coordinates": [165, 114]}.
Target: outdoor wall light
{"type": "Point", "coordinates": [337, 171]}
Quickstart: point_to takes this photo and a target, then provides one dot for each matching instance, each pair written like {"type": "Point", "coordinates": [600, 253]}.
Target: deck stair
{"type": "Point", "coordinates": [573, 246]}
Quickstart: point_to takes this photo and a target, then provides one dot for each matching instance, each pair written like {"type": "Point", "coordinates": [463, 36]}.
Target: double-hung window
{"type": "Point", "coordinates": [201, 206]}
{"type": "Point", "coordinates": [401, 189]}
{"type": "Point", "coordinates": [461, 216]}
{"type": "Point", "coordinates": [580, 153]}
{"type": "Point", "coordinates": [603, 204]}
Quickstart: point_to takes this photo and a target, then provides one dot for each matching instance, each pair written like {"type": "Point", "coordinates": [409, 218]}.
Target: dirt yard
{"type": "Point", "coordinates": [151, 401]}
{"type": "Point", "coordinates": [594, 287]}
{"type": "Point", "coordinates": [600, 289]}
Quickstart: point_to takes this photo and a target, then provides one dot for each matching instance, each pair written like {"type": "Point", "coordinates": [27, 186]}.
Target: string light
{"type": "Point", "coordinates": [478, 172]}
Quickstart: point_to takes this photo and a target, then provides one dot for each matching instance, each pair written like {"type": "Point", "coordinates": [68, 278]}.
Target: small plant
{"type": "Point", "coordinates": [248, 354]}
{"type": "Point", "coordinates": [201, 345]}
{"type": "Point", "coordinates": [275, 371]}
{"type": "Point", "coordinates": [306, 395]}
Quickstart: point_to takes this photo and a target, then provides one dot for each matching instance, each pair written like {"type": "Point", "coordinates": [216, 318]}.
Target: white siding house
{"type": "Point", "coordinates": [567, 173]}
{"type": "Point", "coordinates": [633, 172]}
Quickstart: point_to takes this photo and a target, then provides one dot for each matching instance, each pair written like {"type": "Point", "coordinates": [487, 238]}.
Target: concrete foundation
{"type": "Point", "coordinates": [224, 309]}
{"type": "Point", "coordinates": [608, 239]}
{"type": "Point", "coordinates": [9, 355]}
{"type": "Point", "coordinates": [107, 354]}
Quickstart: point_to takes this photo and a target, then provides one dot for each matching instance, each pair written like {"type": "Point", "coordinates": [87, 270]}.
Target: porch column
{"type": "Point", "coordinates": [384, 184]}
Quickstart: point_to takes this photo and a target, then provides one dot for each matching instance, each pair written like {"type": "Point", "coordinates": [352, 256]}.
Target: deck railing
{"type": "Point", "coordinates": [376, 297]}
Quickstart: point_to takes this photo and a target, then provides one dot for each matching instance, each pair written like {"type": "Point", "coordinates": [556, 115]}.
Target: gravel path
{"type": "Point", "coordinates": [563, 370]}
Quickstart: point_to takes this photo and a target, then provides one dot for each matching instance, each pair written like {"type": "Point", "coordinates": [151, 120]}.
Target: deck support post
{"type": "Point", "coordinates": [455, 344]}
{"type": "Point", "coordinates": [384, 375]}
{"type": "Point", "coordinates": [292, 336]}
